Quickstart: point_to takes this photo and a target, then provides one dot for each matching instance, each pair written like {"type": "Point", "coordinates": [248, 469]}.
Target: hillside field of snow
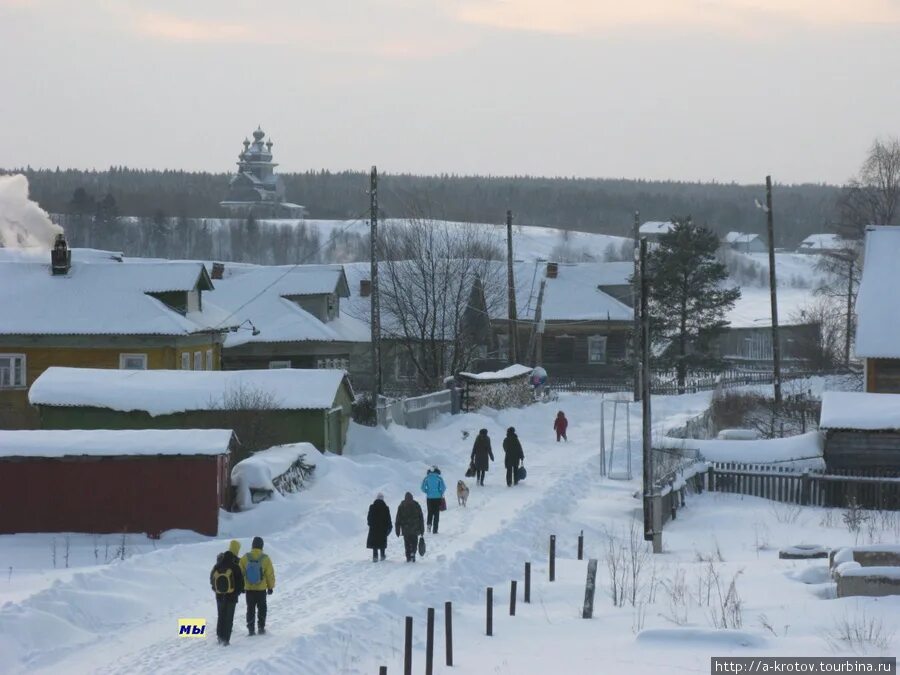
{"type": "Point", "coordinates": [84, 604]}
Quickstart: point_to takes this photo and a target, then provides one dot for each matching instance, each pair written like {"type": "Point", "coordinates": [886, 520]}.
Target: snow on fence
{"type": "Point", "coordinates": [417, 412]}
{"type": "Point", "coordinates": [807, 488]}
{"type": "Point", "coordinates": [665, 382]}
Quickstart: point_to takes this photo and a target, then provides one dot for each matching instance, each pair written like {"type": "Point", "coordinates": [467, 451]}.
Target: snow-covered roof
{"type": "Point", "coordinates": [260, 294]}
{"type": "Point", "coordinates": [822, 242]}
{"type": "Point", "coordinates": [656, 227]}
{"type": "Point", "coordinates": [164, 392]}
{"type": "Point", "coordinates": [860, 410]}
{"type": "Point", "coordinates": [804, 450]}
{"type": "Point", "coordinates": [740, 237]}
{"type": "Point", "coordinates": [574, 295]}
{"type": "Point", "coordinates": [877, 303]}
{"type": "Point", "coordinates": [117, 443]}
{"type": "Point", "coordinates": [508, 373]}
{"type": "Point", "coordinates": [99, 296]}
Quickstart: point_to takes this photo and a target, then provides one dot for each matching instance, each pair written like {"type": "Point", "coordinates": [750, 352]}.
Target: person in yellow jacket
{"type": "Point", "coordinates": [259, 581]}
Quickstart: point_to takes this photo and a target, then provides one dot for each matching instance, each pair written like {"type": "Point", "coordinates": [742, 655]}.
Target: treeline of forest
{"type": "Point", "coordinates": [585, 204]}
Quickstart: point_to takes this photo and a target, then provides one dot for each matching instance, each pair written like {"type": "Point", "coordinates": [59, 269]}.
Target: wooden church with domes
{"type": "Point", "coordinates": [256, 190]}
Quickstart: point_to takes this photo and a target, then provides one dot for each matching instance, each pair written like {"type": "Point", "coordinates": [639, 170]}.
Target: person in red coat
{"type": "Point", "coordinates": [560, 425]}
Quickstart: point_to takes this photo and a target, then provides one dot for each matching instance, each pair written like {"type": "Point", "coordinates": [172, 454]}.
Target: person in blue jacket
{"type": "Point", "coordinates": [433, 486]}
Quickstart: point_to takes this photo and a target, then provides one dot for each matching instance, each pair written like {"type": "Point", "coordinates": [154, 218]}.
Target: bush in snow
{"type": "Point", "coordinates": [859, 632]}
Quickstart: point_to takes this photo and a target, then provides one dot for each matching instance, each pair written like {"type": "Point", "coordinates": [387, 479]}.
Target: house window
{"type": "Point", "coordinates": [332, 363]}
{"type": "Point", "coordinates": [12, 371]}
{"type": "Point", "coordinates": [133, 361]}
{"type": "Point", "coordinates": [503, 346]}
{"type": "Point", "coordinates": [405, 367]}
{"type": "Point", "coordinates": [209, 359]}
{"type": "Point", "coordinates": [480, 352]}
{"type": "Point", "coordinates": [596, 348]}
{"type": "Point", "coordinates": [565, 349]}
{"type": "Point", "coordinates": [279, 364]}
{"type": "Point", "coordinates": [198, 360]}
{"type": "Point", "coordinates": [185, 360]}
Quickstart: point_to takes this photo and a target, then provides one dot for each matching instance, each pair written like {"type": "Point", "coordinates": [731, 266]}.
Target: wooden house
{"type": "Point", "coordinates": [745, 242]}
{"type": "Point", "coordinates": [114, 481]}
{"type": "Point", "coordinates": [263, 407]}
{"type": "Point", "coordinates": [95, 310]}
{"type": "Point", "coordinates": [878, 311]}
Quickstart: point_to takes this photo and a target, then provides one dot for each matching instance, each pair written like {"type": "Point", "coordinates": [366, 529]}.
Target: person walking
{"type": "Point", "coordinates": [560, 424]}
{"type": "Point", "coordinates": [433, 486]}
{"type": "Point", "coordinates": [411, 524]}
{"type": "Point", "coordinates": [380, 526]}
{"type": "Point", "coordinates": [481, 452]}
{"type": "Point", "coordinates": [259, 581]}
{"type": "Point", "coordinates": [514, 456]}
{"type": "Point", "coordinates": [227, 583]}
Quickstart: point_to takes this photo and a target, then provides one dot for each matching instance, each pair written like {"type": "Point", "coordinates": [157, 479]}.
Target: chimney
{"type": "Point", "coordinates": [552, 270]}
{"type": "Point", "coordinates": [218, 270]}
{"type": "Point", "coordinates": [365, 288]}
{"type": "Point", "coordinates": [60, 256]}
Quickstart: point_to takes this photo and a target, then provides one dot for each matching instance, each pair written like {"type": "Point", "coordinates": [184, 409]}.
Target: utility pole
{"type": "Point", "coordinates": [635, 303]}
{"type": "Point", "coordinates": [539, 326]}
{"type": "Point", "coordinates": [511, 286]}
{"type": "Point", "coordinates": [849, 327]}
{"type": "Point", "coordinates": [376, 301]}
{"type": "Point", "coordinates": [773, 291]}
{"type": "Point", "coordinates": [650, 533]}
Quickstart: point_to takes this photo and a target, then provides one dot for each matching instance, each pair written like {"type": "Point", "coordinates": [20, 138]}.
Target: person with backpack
{"type": "Point", "coordinates": [514, 456]}
{"type": "Point", "coordinates": [380, 526]}
{"type": "Point", "coordinates": [259, 581]}
{"type": "Point", "coordinates": [560, 424]}
{"type": "Point", "coordinates": [227, 583]}
{"type": "Point", "coordinates": [433, 486]}
{"type": "Point", "coordinates": [411, 524]}
{"type": "Point", "coordinates": [481, 451]}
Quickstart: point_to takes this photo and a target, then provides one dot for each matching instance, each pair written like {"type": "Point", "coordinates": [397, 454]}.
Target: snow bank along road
{"type": "Point", "coordinates": [333, 609]}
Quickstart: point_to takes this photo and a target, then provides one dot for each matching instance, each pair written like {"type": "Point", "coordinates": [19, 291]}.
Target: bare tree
{"type": "Point", "coordinates": [434, 276]}
{"type": "Point", "coordinates": [244, 405]}
{"type": "Point", "coordinates": [873, 197]}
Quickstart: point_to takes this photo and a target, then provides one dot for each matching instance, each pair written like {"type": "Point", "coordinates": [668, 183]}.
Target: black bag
{"type": "Point", "coordinates": [443, 504]}
{"type": "Point", "coordinates": [223, 582]}
{"type": "Point", "coordinates": [521, 473]}
{"type": "Point", "coordinates": [470, 472]}
{"type": "Point", "coordinates": [421, 546]}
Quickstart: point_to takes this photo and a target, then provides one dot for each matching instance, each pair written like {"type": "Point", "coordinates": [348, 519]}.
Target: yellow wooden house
{"type": "Point", "coordinates": [92, 309]}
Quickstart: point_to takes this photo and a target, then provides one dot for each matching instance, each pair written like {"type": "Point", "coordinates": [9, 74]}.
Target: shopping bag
{"type": "Point", "coordinates": [421, 546]}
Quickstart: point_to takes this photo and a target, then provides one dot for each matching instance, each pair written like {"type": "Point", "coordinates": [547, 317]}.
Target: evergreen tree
{"type": "Point", "coordinates": [688, 297]}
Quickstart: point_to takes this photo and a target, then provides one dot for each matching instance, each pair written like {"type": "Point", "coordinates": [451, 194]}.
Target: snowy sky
{"type": "Point", "coordinates": [685, 89]}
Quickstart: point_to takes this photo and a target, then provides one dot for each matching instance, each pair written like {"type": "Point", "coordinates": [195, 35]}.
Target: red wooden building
{"type": "Point", "coordinates": [113, 481]}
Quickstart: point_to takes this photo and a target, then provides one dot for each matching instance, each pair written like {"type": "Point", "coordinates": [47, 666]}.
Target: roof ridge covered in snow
{"type": "Point", "coordinates": [166, 392]}
{"type": "Point", "coordinates": [114, 443]}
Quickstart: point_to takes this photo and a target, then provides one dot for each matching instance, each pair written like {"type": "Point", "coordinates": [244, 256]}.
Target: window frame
{"type": "Point", "coordinates": [503, 346]}
{"type": "Point", "coordinates": [279, 365]}
{"type": "Point", "coordinates": [604, 339]}
{"type": "Point", "coordinates": [133, 355]}
{"type": "Point", "coordinates": [210, 355]}
{"type": "Point", "coordinates": [185, 360]}
{"type": "Point", "coordinates": [23, 384]}
{"type": "Point", "coordinates": [398, 371]}
{"type": "Point", "coordinates": [198, 360]}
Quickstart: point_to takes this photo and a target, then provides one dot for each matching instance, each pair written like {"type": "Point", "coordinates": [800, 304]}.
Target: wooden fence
{"type": "Point", "coordinates": [665, 383]}
{"type": "Point", "coordinates": [806, 488]}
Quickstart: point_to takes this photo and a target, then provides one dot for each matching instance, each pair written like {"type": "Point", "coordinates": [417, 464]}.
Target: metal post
{"type": "Point", "coordinates": [407, 648]}
{"type": "Point", "coordinates": [527, 597]}
{"type": "Point", "coordinates": [373, 290]}
{"type": "Point", "coordinates": [490, 611]}
{"type": "Point", "coordinates": [512, 597]}
{"type": "Point", "coordinates": [552, 557]}
{"type": "Point", "coordinates": [429, 642]}
{"type": "Point", "coordinates": [448, 631]}
{"type": "Point", "coordinates": [647, 452]}
{"type": "Point", "coordinates": [382, 670]}
{"type": "Point", "coordinates": [773, 292]}
{"type": "Point", "coordinates": [602, 436]}
{"type": "Point", "coordinates": [635, 295]}
{"type": "Point", "coordinates": [581, 545]}
{"type": "Point", "coordinates": [511, 290]}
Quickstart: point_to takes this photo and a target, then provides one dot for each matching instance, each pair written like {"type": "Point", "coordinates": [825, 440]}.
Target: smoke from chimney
{"type": "Point", "coordinates": [23, 223]}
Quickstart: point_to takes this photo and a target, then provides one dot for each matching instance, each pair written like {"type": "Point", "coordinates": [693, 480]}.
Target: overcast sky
{"type": "Point", "coordinates": [683, 89]}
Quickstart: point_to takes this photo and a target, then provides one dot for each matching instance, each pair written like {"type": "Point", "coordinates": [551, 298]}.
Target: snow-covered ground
{"type": "Point", "coordinates": [335, 612]}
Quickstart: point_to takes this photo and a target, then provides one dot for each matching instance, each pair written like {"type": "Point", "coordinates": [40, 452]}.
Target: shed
{"type": "Point", "coordinates": [104, 481]}
{"type": "Point", "coordinates": [862, 431]}
{"type": "Point", "coordinates": [264, 407]}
